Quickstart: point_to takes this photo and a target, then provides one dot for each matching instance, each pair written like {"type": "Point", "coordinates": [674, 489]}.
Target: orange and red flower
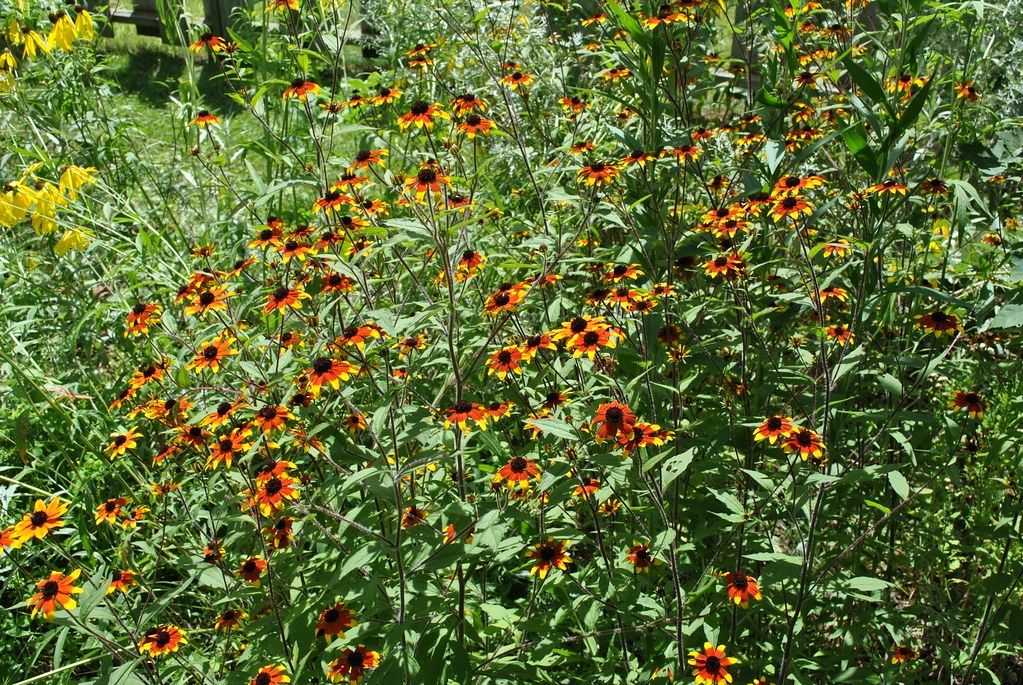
{"type": "Point", "coordinates": [110, 510]}
{"type": "Point", "coordinates": [598, 173]}
{"type": "Point", "coordinates": [806, 443]}
{"type": "Point", "coordinates": [55, 591]}
{"type": "Point", "coordinates": [422, 114]}
{"type": "Point", "coordinates": [141, 317]}
{"type": "Point", "coordinates": [774, 427]}
{"type": "Point", "coordinates": [506, 360]}
{"type": "Point", "coordinates": [210, 355]}
{"type": "Point", "coordinates": [283, 298]}
{"type": "Point", "coordinates": [613, 419]}
{"type": "Point", "coordinates": [429, 179]}
{"type": "Point", "coordinates": [711, 665]}
{"type": "Point", "coordinates": [270, 675]}
{"type": "Point", "coordinates": [251, 569]}
{"type": "Point", "coordinates": [333, 622]}
{"type": "Point", "coordinates": [272, 492]}
{"type": "Point", "coordinates": [300, 88]}
{"type": "Point", "coordinates": [972, 403]}
{"type": "Point", "coordinates": [121, 581]}
{"type": "Point", "coordinates": [44, 517]}
{"type": "Point", "coordinates": [741, 588]}
{"type": "Point", "coordinates": [517, 472]}
{"type": "Point", "coordinates": [327, 371]}
{"type": "Point", "coordinates": [547, 555]}
{"type": "Point", "coordinates": [352, 665]}
{"type": "Point", "coordinates": [641, 558]}
{"type": "Point", "coordinates": [162, 640]}
{"type": "Point", "coordinates": [939, 322]}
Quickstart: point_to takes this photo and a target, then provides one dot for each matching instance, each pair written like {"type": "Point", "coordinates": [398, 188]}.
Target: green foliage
{"type": "Point", "coordinates": [783, 210]}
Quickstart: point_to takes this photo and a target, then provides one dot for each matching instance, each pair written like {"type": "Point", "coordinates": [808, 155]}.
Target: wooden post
{"type": "Point", "coordinates": [368, 33]}
{"type": "Point", "coordinates": [218, 14]}
{"type": "Point", "coordinates": [143, 15]}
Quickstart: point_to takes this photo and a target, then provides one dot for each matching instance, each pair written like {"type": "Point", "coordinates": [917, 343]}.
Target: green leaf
{"type": "Point", "coordinates": [866, 584]}
{"type": "Point", "coordinates": [556, 427]}
{"type": "Point", "coordinates": [855, 138]}
{"type": "Point", "coordinates": [870, 86]}
{"type": "Point", "coordinates": [912, 112]}
{"type": "Point", "coordinates": [1009, 316]}
{"type": "Point", "coordinates": [890, 384]}
{"type": "Point", "coordinates": [770, 99]}
{"type": "Point", "coordinates": [676, 466]}
{"type": "Point", "coordinates": [899, 484]}
{"type": "Point", "coordinates": [775, 556]}
{"type": "Point", "coordinates": [124, 673]}
{"type": "Point", "coordinates": [94, 592]}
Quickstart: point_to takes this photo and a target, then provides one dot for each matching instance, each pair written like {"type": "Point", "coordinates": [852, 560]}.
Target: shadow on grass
{"type": "Point", "coordinates": [149, 71]}
{"type": "Point", "coordinates": [149, 74]}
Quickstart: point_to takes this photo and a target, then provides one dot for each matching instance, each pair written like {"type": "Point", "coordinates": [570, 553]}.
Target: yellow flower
{"type": "Point", "coordinates": [7, 60]}
{"type": "Point", "coordinates": [62, 35]}
{"type": "Point", "coordinates": [14, 203]}
{"type": "Point", "coordinates": [34, 43]}
{"type": "Point", "coordinates": [14, 34]}
{"type": "Point", "coordinates": [74, 177]}
{"type": "Point", "coordinates": [84, 26]}
{"type": "Point", "coordinates": [44, 213]}
{"type": "Point", "coordinates": [77, 238]}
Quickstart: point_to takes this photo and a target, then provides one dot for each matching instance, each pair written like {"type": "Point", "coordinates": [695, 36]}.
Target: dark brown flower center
{"type": "Point", "coordinates": [50, 589]}
{"type": "Point", "coordinates": [322, 365]}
